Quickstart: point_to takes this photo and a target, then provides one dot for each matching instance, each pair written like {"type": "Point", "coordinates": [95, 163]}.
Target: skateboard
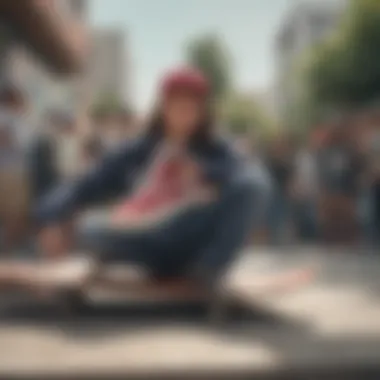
{"type": "Point", "coordinates": [72, 282]}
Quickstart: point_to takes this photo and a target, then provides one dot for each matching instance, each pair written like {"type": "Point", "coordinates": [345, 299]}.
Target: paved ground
{"type": "Point", "coordinates": [333, 322]}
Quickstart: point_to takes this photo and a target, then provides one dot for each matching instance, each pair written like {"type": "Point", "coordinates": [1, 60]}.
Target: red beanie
{"type": "Point", "coordinates": [187, 80]}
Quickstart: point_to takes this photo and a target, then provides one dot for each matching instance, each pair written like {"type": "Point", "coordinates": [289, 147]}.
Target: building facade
{"type": "Point", "coordinates": [107, 69]}
{"type": "Point", "coordinates": [307, 24]}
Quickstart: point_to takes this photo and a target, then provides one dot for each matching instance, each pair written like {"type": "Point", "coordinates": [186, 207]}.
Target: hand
{"type": "Point", "coordinates": [54, 241]}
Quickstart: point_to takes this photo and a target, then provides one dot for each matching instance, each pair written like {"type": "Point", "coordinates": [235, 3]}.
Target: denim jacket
{"type": "Point", "coordinates": [115, 175]}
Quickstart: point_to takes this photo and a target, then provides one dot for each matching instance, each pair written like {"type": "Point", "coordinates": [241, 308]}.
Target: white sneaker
{"type": "Point", "coordinates": [70, 272]}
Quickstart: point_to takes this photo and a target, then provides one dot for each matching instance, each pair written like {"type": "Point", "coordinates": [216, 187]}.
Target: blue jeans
{"type": "Point", "coordinates": [200, 242]}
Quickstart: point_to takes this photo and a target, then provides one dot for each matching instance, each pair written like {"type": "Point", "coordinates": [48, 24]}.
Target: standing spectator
{"type": "Point", "coordinates": [248, 148]}
{"type": "Point", "coordinates": [261, 172]}
{"type": "Point", "coordinates": [14, 186]}
{"type": "Point", "coordinates": [13, 105]}
{"type": "Point", "coordinates": [280, 166]}
{"type": "Point", "coordinates": [55, 153]}
{"type": "Point", "coordinates": [68, 144]}
{"type": "Point", "coordinates": [43, 159]}
{"type": "Point", "coordinates": [340, 167]}
{"type": "Point", "coordinates": [305, 190]}
{"type": "Point", "coordinates": [364, 152]}
{"type": "Point", "coordinates": [14, 189]}
{"type": "Point", "coordinates": [375, 176]}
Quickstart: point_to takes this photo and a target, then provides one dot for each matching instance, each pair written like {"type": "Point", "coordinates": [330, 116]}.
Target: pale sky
{"type": "Point", "coordinates": [157, 31]}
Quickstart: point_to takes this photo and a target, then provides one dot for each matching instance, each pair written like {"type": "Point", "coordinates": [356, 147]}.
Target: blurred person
{"type": "Point", "coordinates": [12, 108]}
{"type": "Point", "coordinates": [14, 176]}
{"type": "Point", "coordinates": [340, 168]}
{"type": "Point", "coordinates": [363, 134]}
{"type": "Point", "coordinates": [305, 192]}
{"type": "Point", "coordinates": [14, 187]}
{"type": "Point", "coordinates": [261, 172]}
{"type": "Point", "coordinates": [12, 99]}
{"type": "Point", "coordinates": [193, 203]}
{"type": "Point", "coordinates": [374, 179]}
{"type": "Point", "coordinates": [54, 153]}
{"type": "Point", "coordinates": [43, 160]}
{"type": "Point", "coordinates": [13, 105]}
{"type": "Point", "coordinates": [280, 166]}
{"type": "Point", "coordinates": [248, 148]}
{"type": "Point", "coordinates": [67, 143]}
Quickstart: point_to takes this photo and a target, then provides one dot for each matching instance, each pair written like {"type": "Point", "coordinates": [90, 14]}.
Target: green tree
{"type": "Point", "coordinates": [107, 103]}
{"type": "Point", "coordinates": [238, 111]}
{"type": "Point", "coordinates": [208, 54]}
{"type": "Point", "coordinates": [345, 71]}
{"type": "Point", "coordinates": [244, 117]}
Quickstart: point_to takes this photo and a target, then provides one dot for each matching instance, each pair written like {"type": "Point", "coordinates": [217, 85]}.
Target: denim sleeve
{"type": "Point", "coordinates": [109, 175]}
{"type": "Point", "coordinates": [221, 164]}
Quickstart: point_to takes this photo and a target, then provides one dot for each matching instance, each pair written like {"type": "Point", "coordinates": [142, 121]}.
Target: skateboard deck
{"type": "Point", "coordinates": [131, 283]}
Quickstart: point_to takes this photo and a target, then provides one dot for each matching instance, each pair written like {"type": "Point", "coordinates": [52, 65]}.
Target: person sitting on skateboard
{"type": "Point", "coordinates": [186, 201]}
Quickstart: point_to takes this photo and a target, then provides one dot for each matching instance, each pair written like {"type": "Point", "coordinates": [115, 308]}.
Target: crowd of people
{"type": "Point", "coordinates": [324, 188]}
{"type": "Point", "coordinates": [36, 158]}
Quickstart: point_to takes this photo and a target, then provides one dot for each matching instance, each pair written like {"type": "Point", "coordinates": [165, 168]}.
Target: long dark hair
{"type": "Point", "coordinates": [203, 133]}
